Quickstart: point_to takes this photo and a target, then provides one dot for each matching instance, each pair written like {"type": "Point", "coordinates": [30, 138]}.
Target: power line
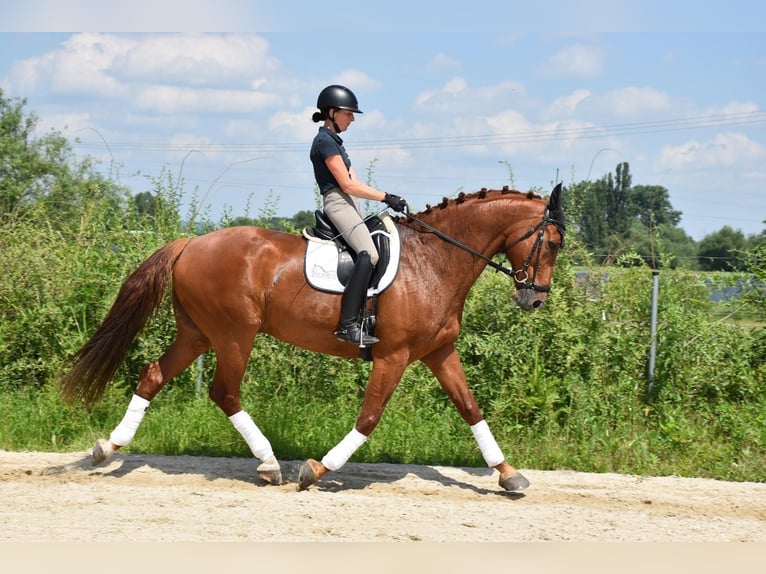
{"type": "Point", "coordinates": [533, 136]}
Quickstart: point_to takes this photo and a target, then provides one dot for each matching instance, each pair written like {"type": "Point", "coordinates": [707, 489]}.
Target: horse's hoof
{"type": "Point", "coordinates": [311, 471]}
{"type": "Point", "coordinates": [101, 452]}
{"type": "Point", "coordinates": [514, 482]}
{"type": "Point", "coordinates": [269, 471]}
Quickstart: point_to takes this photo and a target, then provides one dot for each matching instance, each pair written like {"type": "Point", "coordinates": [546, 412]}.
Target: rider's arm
{"type": "Point", "coordinates": [348, 181]}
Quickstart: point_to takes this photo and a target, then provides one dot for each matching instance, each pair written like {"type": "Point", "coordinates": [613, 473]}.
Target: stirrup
{"type": "Point", "coordinates": [356, 335]}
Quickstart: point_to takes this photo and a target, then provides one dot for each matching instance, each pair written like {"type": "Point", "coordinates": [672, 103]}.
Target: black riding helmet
{"type": "Point", "coordinates": [339, 97]}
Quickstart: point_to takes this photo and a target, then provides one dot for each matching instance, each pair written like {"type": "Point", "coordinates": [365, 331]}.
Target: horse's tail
{"type": "Point", "coordinates": [95, 364]}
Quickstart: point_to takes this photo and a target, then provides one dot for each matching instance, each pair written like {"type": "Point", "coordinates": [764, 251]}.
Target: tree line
{"type": "Point", "coordinates": [622, 223]}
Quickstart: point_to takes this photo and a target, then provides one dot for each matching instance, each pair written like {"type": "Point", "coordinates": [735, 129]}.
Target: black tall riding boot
{"type": "Point", "coordinates": [349, 327]}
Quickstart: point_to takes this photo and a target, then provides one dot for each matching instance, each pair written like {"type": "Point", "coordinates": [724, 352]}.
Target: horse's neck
{"type": "Point", "coordinates": [484, 225]}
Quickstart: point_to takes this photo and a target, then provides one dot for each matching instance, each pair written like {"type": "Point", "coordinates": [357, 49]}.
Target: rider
{"type": "Point", "coordinates": [340, 189]}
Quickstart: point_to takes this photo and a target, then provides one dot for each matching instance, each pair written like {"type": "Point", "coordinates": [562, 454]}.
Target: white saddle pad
{"type": "Point", "coordinates": [321, 261]}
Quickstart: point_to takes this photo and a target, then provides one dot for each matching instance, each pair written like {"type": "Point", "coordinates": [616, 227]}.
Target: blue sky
{"type": "Point", "coordinates": [454, 99]}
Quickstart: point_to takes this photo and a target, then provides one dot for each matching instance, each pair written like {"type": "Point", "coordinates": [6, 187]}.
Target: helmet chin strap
{"type": "Point", "coordinates": [332, 119]}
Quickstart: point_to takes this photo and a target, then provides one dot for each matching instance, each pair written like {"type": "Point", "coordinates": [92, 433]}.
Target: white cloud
{"type": "Point", "coordinates": [518, 135]}
{"type": "Point", "coordinates": [510, 122]}
{"type": "Point", "coordinates": [441, 99]}
{"type": "Point", "coordinates": [494, 119]}
{"type": "Point", "coordinates": [81, 65]}
{"type": "Point", "coordinates": [576, 60]}
{"type": "Point", "coordinates": [733, 108]}
{"type": "Point", "coordinates": [171, 99]}
{"type": "Point", "coordinates": [441, 62]}
{"type": "Point", "coordinates": [455, 86]}
{"type": "Point", "coordinates": [359, 80]}
{"type": "Point", "coordinates": [633, 101]}
{"type": "Point", "coordinates": [70, 124]}
{"type": "Point", "coordinates": [288, 126]}
{"type": "Point", "coordinates": [104, 65]}
{"type": "Point", "coordinates": [457, 97]}
{"type": "Point", "coordinates": [566, 106]}
{"type": "Point", "coordinates": [724, 150]}
{"type": "Point", "coordinates": [197, 59]}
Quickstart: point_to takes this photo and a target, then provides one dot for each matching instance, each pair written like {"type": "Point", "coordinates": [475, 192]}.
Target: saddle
{"type": "Point", "coordinates": [329, 260]}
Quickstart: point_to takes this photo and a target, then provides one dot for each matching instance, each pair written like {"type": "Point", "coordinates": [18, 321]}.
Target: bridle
{"type": "Point", "coordinates": [519, 276]}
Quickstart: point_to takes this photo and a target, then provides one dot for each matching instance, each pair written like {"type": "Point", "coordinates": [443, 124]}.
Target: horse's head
{"type": "Point", "coordinates": [532, 252]}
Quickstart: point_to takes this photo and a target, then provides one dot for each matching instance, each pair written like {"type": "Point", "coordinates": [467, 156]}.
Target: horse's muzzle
{"type": "Point", "coordinates": [528, 299]}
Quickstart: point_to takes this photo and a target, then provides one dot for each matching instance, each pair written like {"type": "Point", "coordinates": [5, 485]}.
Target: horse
{"type": "Point", "coordinates": [232, 283]}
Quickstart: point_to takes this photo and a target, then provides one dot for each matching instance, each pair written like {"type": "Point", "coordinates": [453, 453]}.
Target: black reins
{"type": "Point", "coordinates": [520, 276]}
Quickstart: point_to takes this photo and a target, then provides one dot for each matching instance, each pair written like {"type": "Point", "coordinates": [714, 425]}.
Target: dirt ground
{"type": "Point", "coordinates": [51, 497]}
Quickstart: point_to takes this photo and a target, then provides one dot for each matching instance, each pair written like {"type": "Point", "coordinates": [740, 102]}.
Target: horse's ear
{"type": "Point", "coordinates": [555, 200]}
{"type": "Point", "coordinates": [556, 212]}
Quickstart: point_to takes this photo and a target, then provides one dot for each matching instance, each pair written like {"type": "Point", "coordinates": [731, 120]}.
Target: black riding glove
{"type": "Point", "coordinates": [395, 202]}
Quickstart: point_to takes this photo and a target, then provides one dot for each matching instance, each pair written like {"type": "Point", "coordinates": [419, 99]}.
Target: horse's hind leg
{"type": "Point", "coordinates": [224, 392]}
{"type": "Point", "coordinates": [154, 376]}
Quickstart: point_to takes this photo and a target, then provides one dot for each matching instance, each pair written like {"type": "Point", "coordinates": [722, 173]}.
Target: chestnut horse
{"type": "Point", "coordinates": [233, 283]}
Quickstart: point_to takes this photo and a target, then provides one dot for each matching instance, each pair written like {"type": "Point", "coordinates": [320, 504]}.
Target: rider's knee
{"type": "Point", "coordinates": [370, 258]}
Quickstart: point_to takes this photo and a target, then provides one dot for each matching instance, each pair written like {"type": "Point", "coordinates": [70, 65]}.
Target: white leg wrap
{"type": "Point", "coordinates": [126, 430]}
{"type": "Point", "coordinates": [255, 439]}
{"type": "Point", "coordinates": [340, 453]}
{"type": "Point", "coordinates": [487, 444]}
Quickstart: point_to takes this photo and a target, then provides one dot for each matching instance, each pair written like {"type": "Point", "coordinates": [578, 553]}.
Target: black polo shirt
{"type": "Point", "coordinates": [326, 144]}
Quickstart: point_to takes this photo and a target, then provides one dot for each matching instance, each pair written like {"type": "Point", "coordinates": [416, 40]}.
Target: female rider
{"type": "Point", "coordinates": [341, 190]}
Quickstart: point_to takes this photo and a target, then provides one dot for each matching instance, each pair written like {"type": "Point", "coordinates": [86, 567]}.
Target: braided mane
{"type": "Point", "coordinates": [462, 197]}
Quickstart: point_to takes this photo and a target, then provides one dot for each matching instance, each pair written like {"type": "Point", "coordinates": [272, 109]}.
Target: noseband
{"type": "Point", "coordinates": [520, 276]}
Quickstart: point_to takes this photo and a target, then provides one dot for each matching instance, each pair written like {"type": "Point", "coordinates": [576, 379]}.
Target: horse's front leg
{"type": "Point", "coordinates": [446, 366]}
{"type": "Point", "coordinates": [384, 378]}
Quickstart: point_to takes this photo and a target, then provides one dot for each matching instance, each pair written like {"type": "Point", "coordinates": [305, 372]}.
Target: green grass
{"type": "Point", "coordinates": [178, 423]}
